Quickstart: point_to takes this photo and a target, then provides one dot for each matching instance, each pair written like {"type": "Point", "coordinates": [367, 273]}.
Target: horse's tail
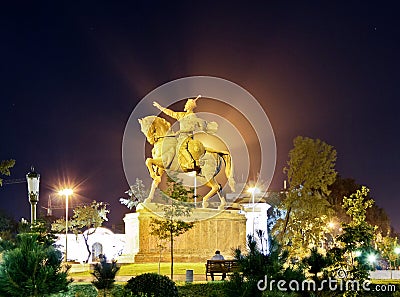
{"type": "Point", "coordinates": [229, 169]}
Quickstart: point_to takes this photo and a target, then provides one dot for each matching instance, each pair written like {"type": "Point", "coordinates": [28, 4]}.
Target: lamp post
{"type": "Point", "coordinates": [253, 191]}
{"type": "Point", "coordinates": [66, 193]}
{"type": "Point", "coordinates": [33, 180]}
{"type": "Point", "coordinates": [194, 175]}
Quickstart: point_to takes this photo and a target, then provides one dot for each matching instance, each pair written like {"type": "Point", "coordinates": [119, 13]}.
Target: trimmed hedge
{"type": "Point", "coordinates": [151, 284]}
{"type": "Point", "coordinates": [202, 290]}
{"type": "Point", "coordinates": [88, 290]}
{"type": "Point", "coordinates": [78, 290]}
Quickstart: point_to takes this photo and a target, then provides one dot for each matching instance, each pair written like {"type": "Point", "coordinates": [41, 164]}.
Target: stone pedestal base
{"type": "Point", "coordinates": [213, 230]}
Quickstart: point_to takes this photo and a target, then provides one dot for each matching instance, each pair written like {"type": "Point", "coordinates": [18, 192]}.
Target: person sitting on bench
{"type": "Point", "coordinates": [218, 256]}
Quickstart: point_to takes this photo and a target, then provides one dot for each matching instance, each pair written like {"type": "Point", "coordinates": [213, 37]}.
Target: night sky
{"type": "Point", "coordinates": [71, 74]}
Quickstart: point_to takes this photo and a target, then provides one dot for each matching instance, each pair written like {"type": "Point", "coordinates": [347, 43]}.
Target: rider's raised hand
{"type": "Point", "coordinates": [156, 105]}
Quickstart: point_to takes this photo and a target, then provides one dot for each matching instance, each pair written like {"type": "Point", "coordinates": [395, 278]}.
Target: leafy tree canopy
{"type": "Point", "coordinates": [5, 166]}
{"type": "Point", "coordinates": [172, 223]}
{"type": "Point", "coordinates": [32, 268]}
{"type": "Point", "coordinates": [358, 234]}
{"type": "Point", "coordinates": [311, 166]}
{"type": "Point", "coordinates": [375, 215]}
{"type": "Point", "coordinates": [356, 206]}
{"type": "Point", "coordinates": [86, 218]}
{"type": "Point", "coordinates": [310, 171]}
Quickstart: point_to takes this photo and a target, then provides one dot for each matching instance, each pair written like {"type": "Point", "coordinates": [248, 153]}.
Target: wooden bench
{"type": "Point", "coordinates": [220, 267]}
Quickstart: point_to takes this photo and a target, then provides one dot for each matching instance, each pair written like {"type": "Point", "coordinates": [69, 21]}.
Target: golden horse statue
{"type": "Point", "coordinates": [170, 152]}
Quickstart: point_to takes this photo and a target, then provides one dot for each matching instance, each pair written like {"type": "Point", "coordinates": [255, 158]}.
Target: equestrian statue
{"type": "Point", "coordinates": [180, 152]}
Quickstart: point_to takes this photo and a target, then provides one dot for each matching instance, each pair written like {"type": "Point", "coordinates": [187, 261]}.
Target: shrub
{"type": "Point", "coordinates": [79, 290]}
{"type": "Point", "coordinates": [202, 290]}
{"type": "Point", "coordinates": [105, 275]}
{"type": "Point", "coordinates": [119, 291]}
{"type": "Point", "coordinates": [152, 284]}
{"type": "Point", "coordinates": [255, 265]}
{"type": "Point", "coordinates": [32, 268]}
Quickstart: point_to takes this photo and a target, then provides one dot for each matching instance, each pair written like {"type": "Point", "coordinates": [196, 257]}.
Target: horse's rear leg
{"type": "Point", "coordinates": [223, 201]}
{"type": "Point", "coordinates": [214, 189]}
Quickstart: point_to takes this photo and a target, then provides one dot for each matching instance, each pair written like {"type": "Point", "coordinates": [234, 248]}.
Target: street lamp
{"type": "Point", "coordinates": [194, 175]}
{"type": "Point", "coordinates": [33, 180]}
{"type": "Point", "coordinates": [66, 193]}
{"type": "Point", "coordinates": [371, 258]}
{"type": "Point", "coordinates": [253, 191]}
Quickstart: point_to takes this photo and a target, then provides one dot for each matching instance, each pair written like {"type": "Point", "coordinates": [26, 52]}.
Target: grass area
{"type": "Point", "coordinates": [136, 269]}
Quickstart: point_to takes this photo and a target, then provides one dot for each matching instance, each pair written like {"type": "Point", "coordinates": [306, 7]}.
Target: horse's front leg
{"type": "Point", "coordinates": [153, 188]}
{"type": "Point", "coordinates": [154, 173]}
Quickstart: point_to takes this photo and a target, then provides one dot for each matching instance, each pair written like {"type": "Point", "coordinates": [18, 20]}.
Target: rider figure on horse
{"type": "Point", "coordinates": [189, 151]}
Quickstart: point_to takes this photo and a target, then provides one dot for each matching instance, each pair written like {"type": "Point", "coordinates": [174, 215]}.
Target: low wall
{"type": "Point", "coordinates": [385, 274]}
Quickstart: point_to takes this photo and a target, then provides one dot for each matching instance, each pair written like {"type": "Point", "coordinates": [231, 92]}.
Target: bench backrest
{"type": "Point", "coordinates": [222, 265]}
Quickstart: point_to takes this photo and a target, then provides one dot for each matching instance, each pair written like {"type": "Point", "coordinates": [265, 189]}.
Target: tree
{"type": "Point", "coordinates": [5, 166]}
{"type": "Point", "coordinates": [340, 188]}
{"type": "Point", "coordinates": [375, 215]}
{"type": "Point", "coordinates": [358, 234]}
{"type": "Point", "coordinates": [32, 268]}
{"type": "Point", "coordinates": [136, 193]}
{"type": "Point", "coordinates": [311, 166]}
{"type": "Point", "coordinates": [8, 226]}
{"type": "Point", "coordinates": [388, 246]}
{"type": "Point", "coordinates": [86, 218]}
{"type": "Point", "coordinates": [105, 275]}
{"type": "Point", "coordinates": [310, 171]}
{"type": "Point", "coordinates": [172, 223]}
{"type": "Point", "coordinates": [306, 226]}
{"type": "Point", "coordinates": [255, 265]}
{"type": "Point", "coordinates": [316, 262]}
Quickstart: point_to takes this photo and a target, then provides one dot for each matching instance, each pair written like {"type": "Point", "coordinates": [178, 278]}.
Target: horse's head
{"type": "Point", "coordinates": [153, 127]}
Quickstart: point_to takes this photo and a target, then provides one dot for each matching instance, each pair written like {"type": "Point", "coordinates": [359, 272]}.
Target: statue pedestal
{"type": "Point", "coordinates": [213, 230]}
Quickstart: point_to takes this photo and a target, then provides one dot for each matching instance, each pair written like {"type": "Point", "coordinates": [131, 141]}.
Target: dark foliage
{"type": "Point", "coordinates": [316, 262]}
{"type": "Point", "coordinates": [32, 269]}
{"type": "Point", "coordinates": [151, 284]}
{"type": "Point", "coordinates": [211, 289]}
{"type": "Point", "coordinates": [105, 275]}
{"type": "Point", "coordinates": [255, 266]}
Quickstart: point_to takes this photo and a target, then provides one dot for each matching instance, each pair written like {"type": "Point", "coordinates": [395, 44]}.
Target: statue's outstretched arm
{"type": "Point", "coordinates": [169, 112]}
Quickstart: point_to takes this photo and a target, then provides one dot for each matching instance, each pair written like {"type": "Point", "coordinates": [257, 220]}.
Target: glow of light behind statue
{"type": "Point", "coordinates": [241, 127]}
